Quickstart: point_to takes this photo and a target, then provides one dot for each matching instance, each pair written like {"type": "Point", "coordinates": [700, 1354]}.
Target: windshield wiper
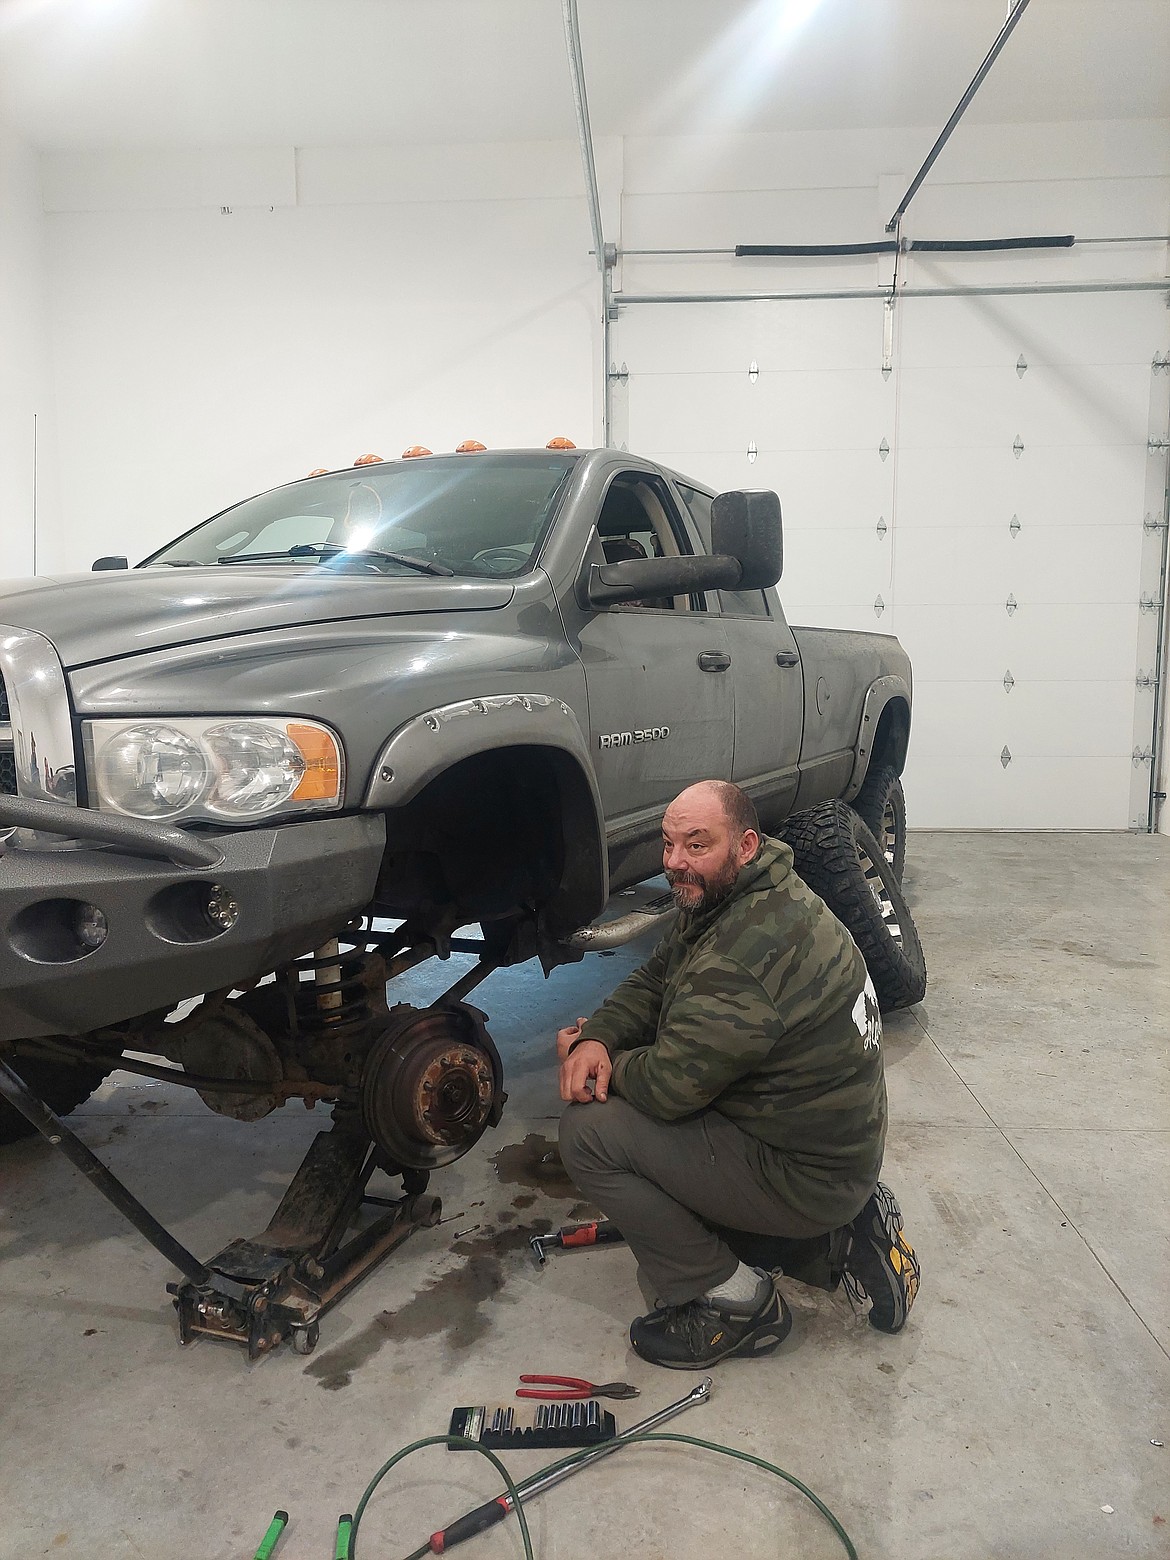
{"type": "Point", "coordinates": [335, 550]}
{"type": "Point", "coordinates": [182, 563]}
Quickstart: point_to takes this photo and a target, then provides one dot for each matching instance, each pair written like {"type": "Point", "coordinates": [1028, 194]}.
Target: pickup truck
{"type": "Point", "coordinates": [304, 746]}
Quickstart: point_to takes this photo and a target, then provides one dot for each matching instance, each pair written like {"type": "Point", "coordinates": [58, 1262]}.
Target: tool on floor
{"type": "Point", "coordinates": [574, 1387]}
{"type": "Point", "coordinates": [568, 1424]}
{"type": "Point", "coordinates": [496, 1510]}
{"type": "Point", "coordinates": [599, 1233]}
{"type": "Point", "coordinates": [270, 1540]}
{"type": "Point", "coordinates": [341, 1550]}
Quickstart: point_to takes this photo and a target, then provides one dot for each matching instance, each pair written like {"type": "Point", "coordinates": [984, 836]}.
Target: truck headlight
{"type": "Point", "coordinates": [218, 770]}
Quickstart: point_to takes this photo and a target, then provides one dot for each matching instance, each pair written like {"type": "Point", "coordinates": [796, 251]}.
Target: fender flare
{"type": "Point", "coordinates": [881, 692]}
{"type": "Point", "coordinates": [428, 744]}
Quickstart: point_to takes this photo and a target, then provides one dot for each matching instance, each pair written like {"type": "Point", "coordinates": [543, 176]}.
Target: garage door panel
{"type": "Point", "coordinates": [961, 642]}
{"type": "Point", "coordinates": [1101, 485]}
{"type": "Point", "coordinates": [680, 338]}
{"type": "Point", "coordinates": [1106, 328]}
{"type": "Point", "coordinates": [852, 566]}
{"type": "Point", "coordinates": [1042, 564]}
{"type": "Point", "coordinates": [808, 411]}
{"type": "Point", "coordinates": [1031, 793]}
{"type": "Point", "coordinates": [1061, 719]}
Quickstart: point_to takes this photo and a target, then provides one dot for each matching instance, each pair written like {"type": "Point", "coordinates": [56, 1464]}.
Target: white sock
{"type": "Point", "coordinates": [742, 1286]}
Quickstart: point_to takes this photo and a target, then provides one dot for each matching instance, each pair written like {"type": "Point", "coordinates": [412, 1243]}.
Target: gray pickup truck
{"type": "Point", "coordinates": [323, 735]}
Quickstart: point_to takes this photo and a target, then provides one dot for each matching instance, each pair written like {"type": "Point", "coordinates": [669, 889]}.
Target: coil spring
{"type": "Point", "coordinates": [349, 1008]}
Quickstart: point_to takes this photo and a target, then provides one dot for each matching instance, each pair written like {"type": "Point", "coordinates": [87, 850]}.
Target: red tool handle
{"type": "Point", "coordinates": [600, 1233]}
{"type": "Point", "coordinates": [466, 1527]}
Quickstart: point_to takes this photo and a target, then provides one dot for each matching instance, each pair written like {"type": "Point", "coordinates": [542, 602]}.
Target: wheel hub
{"type": "Point", "coordinates": [431, 1085]}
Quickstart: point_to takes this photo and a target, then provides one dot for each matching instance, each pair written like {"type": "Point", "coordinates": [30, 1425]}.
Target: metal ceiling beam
{"type": "Point", "coordinates": [1004, 290]}
{"type": "Point", "coordinates": [977, 81]}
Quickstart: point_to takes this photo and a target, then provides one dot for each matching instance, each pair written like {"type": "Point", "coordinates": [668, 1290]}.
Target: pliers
{"type": "Point", "coordinates": [575, 1387]}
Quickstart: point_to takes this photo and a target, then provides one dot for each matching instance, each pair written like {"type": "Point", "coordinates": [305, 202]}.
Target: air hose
{"type": "Point", "coordinates": [350, 1552]}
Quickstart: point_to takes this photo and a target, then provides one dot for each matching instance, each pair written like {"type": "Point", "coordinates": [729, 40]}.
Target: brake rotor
{"type": "Point", "coordinates": [431, 1084]}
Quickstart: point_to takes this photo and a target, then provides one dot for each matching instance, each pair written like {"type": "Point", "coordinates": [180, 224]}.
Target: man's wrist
{"type": "Point", "coordinates": [581, 1039]}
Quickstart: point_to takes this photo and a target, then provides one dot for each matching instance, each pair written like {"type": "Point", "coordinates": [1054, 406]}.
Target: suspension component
{"type": "Point", "coordinates": [431, 1085]}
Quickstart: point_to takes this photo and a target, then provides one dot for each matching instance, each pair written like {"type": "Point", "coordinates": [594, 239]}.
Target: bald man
{"type": "Point", "coordinates": [732, 1087]}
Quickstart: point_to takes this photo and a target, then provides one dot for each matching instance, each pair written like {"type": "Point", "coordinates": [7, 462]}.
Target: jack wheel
{"type": "Point", "coordinates": [415, 1182]}
{"type": "Point", "coordinates": [304, 1339]}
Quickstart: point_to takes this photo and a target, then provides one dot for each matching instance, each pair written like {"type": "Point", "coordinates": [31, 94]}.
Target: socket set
{"type": "Point", "coordinates": [582, 1422]}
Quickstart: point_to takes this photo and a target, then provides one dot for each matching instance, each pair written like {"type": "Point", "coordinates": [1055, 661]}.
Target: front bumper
{"type": "Point", "coordinates": [294, 885]}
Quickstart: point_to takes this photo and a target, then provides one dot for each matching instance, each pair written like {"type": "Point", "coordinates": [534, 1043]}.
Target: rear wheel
{"type": "Point", "coordinates": [62, 1086]}
{"type": "Point", "coordinates": [882, 803]}
{"type": "Point", "coordinates": [838, 857]}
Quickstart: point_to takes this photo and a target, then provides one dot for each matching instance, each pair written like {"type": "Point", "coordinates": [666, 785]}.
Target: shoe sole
{"type": "Point", "coordinates": [761, 1340]}
{"type": "Point", "coordinates": [900, 1266]}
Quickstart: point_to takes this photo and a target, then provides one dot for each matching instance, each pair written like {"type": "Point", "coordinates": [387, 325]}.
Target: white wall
{"type": "Point", "coordinates": [366, 300]}
{"type": "Point", "coordinates": [345, 302]}
{"type": "Point", "coordinates": [24, 378]}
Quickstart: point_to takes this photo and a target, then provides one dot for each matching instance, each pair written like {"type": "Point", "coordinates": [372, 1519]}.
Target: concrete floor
{"type": "Point", "coordinates": [1020, 1414]}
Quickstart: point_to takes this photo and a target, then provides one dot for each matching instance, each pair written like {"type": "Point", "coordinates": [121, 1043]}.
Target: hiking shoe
{"type": "Point", "coordinates": [702, 1332]}
{"type": "Point", "coordinates": [881, 1262]}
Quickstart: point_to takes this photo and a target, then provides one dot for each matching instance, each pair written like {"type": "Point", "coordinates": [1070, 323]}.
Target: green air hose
{"type": "Point", "coordinates": [517, 1501]}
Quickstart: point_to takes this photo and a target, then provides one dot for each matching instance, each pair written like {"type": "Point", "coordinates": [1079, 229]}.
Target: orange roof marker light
{"type": "Point", "coordinates": [415, 451]}
{"type": "Point", "coordinates": [368, 460]}
{"type": "Point", "coordinates": [319, 471]}
{"type": "Point", "coordinates": [469, 446]}
{"type": "Point", "coordinates": [560, 443]}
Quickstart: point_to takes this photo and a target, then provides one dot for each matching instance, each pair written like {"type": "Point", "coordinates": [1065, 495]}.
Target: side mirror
{"type": "Point", "coordinates": [109, 563]}
{"type": "Point", "coordinates": [746, 525]}
{"type": "Point", "coordinates": [637, 578]}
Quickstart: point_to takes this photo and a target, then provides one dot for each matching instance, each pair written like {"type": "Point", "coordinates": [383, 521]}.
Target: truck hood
{"type": "Point", "coordinates": [99, 617]}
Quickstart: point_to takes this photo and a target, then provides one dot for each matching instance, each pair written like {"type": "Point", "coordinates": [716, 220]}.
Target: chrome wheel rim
{"type": "Point", "coordinates": [889, 834]}
{"type": "Point", "coordinates": [881, 895]}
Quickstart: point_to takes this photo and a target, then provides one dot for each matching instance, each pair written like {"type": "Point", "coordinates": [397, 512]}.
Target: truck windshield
{"type": "Point", "coordinates": [481, 514]}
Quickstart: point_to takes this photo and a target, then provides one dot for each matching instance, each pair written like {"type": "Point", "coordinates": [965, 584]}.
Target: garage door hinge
{"type": "Point", "coordinates": [1154, 445]}
{"type": "Point", "coordinates": [1152, 523]}
{"type": "Point", "coordinates": [1147, 679]}
{"type": "Point", "coordinates": [619, 375]}
{"type": "Point", "coordinates": [1149, 604]}
{"type": "Point", "coordinates": [1017, 447]}
{"type": "Point", "coordinates": [1142, 756]}
{"type": "Point", "coordinates": [1161, 362]}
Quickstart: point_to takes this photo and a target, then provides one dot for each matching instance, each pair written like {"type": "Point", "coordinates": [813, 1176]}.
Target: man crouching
{"type": "Point", "coordinates": [734, 1083]}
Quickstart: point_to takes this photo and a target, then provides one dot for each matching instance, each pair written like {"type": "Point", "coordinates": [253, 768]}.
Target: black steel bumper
{"type": "Point", "coordinates": [293, 886]}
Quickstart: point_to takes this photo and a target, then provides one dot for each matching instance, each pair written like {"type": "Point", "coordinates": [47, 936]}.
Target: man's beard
{"type": "Point", "coordinates": [715, 888]}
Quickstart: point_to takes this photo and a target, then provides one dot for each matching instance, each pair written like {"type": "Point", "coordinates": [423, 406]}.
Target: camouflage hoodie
{"type": "Point", "coordinates": [761, 1009]}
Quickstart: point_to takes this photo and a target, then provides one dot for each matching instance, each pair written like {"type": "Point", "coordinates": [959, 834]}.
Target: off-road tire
{"type": "Point", "coordinates": [882, 803]}
{"type": "Point", "coordinates": [63, 1088]}
{"type": "Point", "coordinates": [837, 856]}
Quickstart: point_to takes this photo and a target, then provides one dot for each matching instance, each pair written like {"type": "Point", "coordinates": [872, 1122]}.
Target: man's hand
{"type": "Point", "coordinates": [565, 1038]}
{"type": "Point", "coordinates": [589, 1062]}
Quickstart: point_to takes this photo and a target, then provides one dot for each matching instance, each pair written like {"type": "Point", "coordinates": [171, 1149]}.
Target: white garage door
{"type": "Point", "coordinates": [991, 500]}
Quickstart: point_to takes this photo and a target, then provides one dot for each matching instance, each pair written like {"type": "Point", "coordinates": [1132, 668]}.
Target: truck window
{"type": "Point", "coordinates": [732, 603]}
{"type": "Point", "coordinates": [638, 520]}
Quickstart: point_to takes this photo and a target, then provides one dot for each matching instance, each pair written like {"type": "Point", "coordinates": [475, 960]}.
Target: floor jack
{"type": "Point", "coordinates": [279, 1284]}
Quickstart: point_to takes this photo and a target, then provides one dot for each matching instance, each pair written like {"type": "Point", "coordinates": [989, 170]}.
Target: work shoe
{"type": "Point", "coordinates": [881, 1262]}
{"type": "Point", "coordinates": [702, 1332]}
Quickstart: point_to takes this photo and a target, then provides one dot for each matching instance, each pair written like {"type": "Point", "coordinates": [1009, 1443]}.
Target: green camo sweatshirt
{"type": "Point", "coordinates": [761, 1009]}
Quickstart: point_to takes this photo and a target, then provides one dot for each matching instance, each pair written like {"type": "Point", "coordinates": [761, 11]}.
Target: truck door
{"type": "Point", "coordinates": [661, 708]}
{"type": "Point", "coordinates": [768, 683]}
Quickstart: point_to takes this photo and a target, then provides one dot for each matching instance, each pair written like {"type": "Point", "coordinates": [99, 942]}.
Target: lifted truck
{"type": "Point", "coordinates": [443, 692]}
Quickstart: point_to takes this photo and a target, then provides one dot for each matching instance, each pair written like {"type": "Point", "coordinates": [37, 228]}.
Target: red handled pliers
{"type": "Point", "coordinates": [575, 1387]}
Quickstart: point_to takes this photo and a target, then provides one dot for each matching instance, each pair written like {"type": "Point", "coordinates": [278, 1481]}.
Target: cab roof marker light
{"type": "Point", "coordinates": [368, 460]}
{"type": "Point", "coordinates": [415, 451]}
{"type": "Point", "coordinates": [560, 443]}
{"type": "Point", "coordinates": [319, 471]}
{"type": "Point", "coordinates": [469, 446]}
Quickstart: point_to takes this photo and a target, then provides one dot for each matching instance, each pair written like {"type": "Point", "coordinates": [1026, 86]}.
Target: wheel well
{"type": "Point", "coordinates": [892, 738]}
{"type": "Point", "coordinates": [512, 830]}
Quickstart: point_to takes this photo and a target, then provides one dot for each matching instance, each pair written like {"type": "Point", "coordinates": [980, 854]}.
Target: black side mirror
{"type": "Point", "coordinates": [636, 578]}
{"type": "Point", "coordinates": [747, 526]}
{"type": "Point", "coordinates": [111, 562]}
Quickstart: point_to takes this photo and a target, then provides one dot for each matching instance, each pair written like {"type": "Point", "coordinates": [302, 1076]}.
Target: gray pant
{"type": "Point", "coordinates": [660, 1180]}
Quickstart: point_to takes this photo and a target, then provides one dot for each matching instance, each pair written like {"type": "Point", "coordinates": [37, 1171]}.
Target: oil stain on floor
{"type": "Point", "coordinates": [451, 1305]}
{"type": "Point", "coordinates": [536, 1164]}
